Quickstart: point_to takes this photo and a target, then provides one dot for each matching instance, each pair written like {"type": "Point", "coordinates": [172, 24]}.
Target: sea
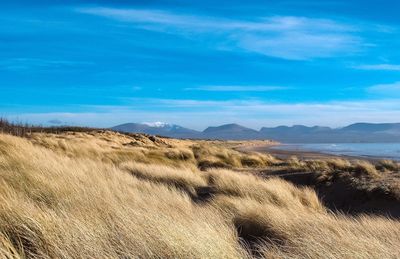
{"type": "Point", "coordinates": [367, 150]}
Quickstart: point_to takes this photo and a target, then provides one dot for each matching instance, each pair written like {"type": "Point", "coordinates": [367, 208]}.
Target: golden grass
{"type": "Point", "coordinates": [389, 165]}
{"type": "Point", "coordinates": [275, 191]}
{"type": "Point", "coordinates": [369, 177]}
{"type": "Point", "coordinates": [218, 155]}
{"type": "Point", "coordinates": [119, 148]}
{"type": "Point", "coordinates": [52, 206]}
{"type": "Point", "coordinates": [336, 166]}
{"type": "Point", "coordinates": [184, 179]}
{"type": "Point", "coordinates": [72, 196]}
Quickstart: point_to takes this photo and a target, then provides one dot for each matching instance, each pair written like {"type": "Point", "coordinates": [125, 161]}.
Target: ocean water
{"type": "Point", "coordinates": [368, 150]}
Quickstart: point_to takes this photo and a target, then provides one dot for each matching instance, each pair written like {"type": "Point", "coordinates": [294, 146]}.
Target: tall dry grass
{"type": "Point", "coordinates": [119, 148]}
{"type": "Point", "coordinates": [53, 206]}
{"type": "Point", "coordinates": [75, 198]}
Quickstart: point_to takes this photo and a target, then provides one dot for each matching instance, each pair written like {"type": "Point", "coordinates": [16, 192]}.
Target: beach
{"type": "Point", "coordinates": [275, 150]}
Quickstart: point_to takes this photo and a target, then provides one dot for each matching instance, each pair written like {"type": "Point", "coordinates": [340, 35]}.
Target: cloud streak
{"type": "Point", "coordinates": [237, 88]}
{"type": "Point", "coordinates": [392, 89]}
{"type": "Point", "coordinates": [286, 37]}
{"type": "Point", "coordinates": [23, 64]}
{"type": "Point", "coordinates": [379, 67]}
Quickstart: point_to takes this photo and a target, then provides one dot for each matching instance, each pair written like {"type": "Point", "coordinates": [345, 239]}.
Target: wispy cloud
{"type": "Point", "coordinates": [22, 64]}
{"type": "Point", "coordinates": [279, 107]}
{"type": "Point", "coordinates": [287, 37]}
{"type": "Point", "coordinates": [236, 88]}
{"type": "Point", "coordinates": [386, 89]}
{"type": "Point", "coordinates": [379, 67]}
{"type": "Point", "coordinates": [193, 22]}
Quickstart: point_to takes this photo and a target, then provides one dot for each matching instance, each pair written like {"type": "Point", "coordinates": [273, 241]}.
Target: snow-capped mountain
{"type": "Point", "coordinates": [164, 126]}
{"type": "Point", "coordinates": [158, 128]}
{"type": "Point", "coordinates": [157, 124]}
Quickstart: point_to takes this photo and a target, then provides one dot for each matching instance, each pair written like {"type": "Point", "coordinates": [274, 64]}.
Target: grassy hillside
{"type": "Point", "coordinates": [106, 195]}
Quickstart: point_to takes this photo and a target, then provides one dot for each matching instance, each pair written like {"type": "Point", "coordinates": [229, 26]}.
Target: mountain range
{"type": "Point", "coordinates": [358, 132]}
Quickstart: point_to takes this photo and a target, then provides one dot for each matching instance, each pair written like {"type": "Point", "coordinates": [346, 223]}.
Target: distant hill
{"type": "Point", "coordinates": [298, 133]}
{"type": "Point", "coordinates": [358, 132]}
{"type": "Point", "coordinates": [158, 128]}
{"type": "Point", "coordinates": [389, 128]}
{"type": "Point", "coordinates": [230, 131]}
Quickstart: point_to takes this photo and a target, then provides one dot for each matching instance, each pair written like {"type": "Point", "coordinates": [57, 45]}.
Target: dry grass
{"type": "Point", "coordinates": [334, 168]}
{"type": "Point", "coordinates": [119, 148]}
{"type": "Point", "coordinates": [274, 191]}
{"type": "Point", "coordinates": [107, 195]}
{"type": "Point", "coordinates": [351, 186]}
{"type": "Point", "coordinates": [53, 206]}
{"type": "Point", "coordinates": [219, 155]}
{"type": "Point", "coordinates": [389, 165]}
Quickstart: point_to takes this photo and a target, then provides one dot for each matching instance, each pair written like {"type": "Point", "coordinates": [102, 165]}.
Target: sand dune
{"type": "Point", "coordinates": [108, 195]}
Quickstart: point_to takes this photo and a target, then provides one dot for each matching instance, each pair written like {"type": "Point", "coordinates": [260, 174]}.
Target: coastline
{"type": "Point", "coordinates": [302, 154]}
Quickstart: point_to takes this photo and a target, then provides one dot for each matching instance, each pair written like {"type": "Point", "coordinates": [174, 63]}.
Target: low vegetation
{"type": "Point", "coordinates": [23, 130]}
{"type": "Point", "coordinates": [354, 187]}
{"type": "Point", "coordinates": [100, 194]}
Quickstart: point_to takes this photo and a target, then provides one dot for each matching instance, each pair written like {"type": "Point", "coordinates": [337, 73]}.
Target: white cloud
{"type": "Point", "coordinates": [386, 89]}
{"type": "Point", "coordinates": [237, 88]}
{"type": "Point", "coordinates": [166, 18]}
{"type": "Point", "coordinates": [287, 37]}
{"type": "Point", "coordinates": [379, 67]}
{"type": "Point", "coordinates": [300, 46]}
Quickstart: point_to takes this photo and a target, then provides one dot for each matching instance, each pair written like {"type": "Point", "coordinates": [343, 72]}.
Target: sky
{"type": "Point", "coordinates": [200, 63]}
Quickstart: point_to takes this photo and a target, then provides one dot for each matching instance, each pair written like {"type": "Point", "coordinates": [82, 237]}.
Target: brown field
{"type": "Point", "coordinates": [100, 194]}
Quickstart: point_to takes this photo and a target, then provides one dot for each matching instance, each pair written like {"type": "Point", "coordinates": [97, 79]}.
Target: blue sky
{"type": "Point", "coordinates": [200, 63]}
